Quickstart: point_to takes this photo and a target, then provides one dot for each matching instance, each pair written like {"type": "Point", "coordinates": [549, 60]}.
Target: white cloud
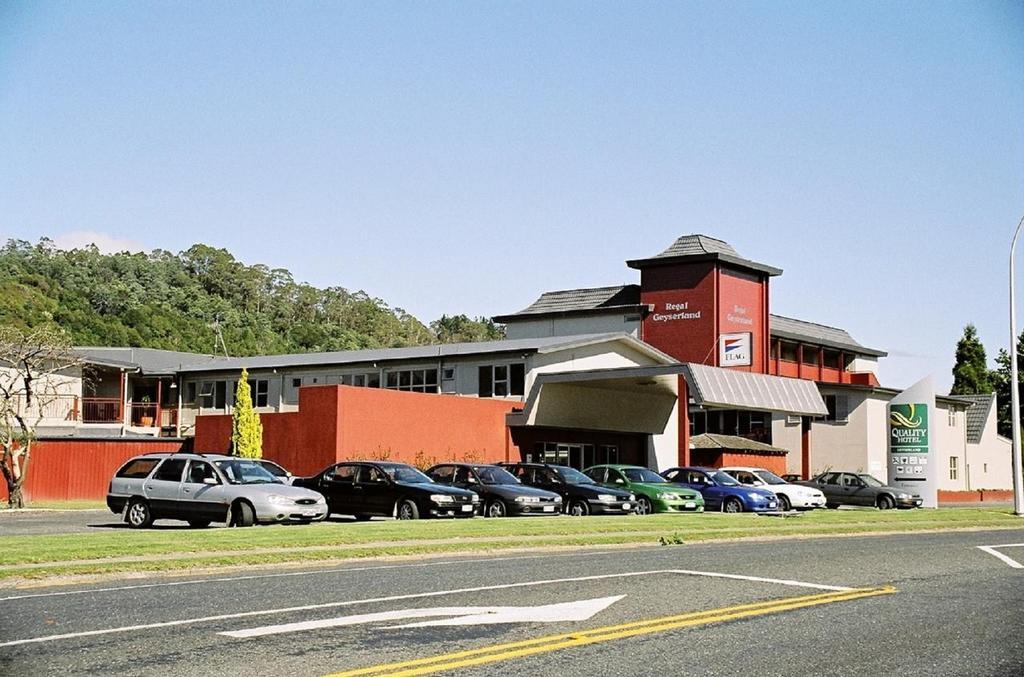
{"type": "Point", "coordinates": [108, 244]}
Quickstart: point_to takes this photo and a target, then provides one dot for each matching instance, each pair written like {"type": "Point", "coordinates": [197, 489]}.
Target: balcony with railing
{"type": "Point", "coordinates": [50, 408]}
{"type": "Point", "coordinates": [101, 410]}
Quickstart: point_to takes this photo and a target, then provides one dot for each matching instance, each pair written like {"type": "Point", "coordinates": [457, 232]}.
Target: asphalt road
{"type": "Point", "coordinates": [956, 610]}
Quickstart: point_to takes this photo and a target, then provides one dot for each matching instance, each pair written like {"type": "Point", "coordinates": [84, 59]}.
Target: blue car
{"type": "Point", "coordinates": [721, 491]}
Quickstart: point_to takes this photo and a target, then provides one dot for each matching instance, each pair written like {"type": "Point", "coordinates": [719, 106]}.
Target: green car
{"type": "Point", "coordinates": [653, 492]}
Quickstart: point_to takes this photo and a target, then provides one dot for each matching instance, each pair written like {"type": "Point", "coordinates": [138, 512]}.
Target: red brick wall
{"type": "Point", "coordinates": [717, 459]}
{"type": "Point", "coordinates": [743, 307]}
{"type": "Point", "coordinates": [80, 469]}
{"type": "Point", "coordinates": [335, 423]}
{"type": "Point", "coordinates": [979, 496]}
{"type": "Point", "coordinates": [690, 340]}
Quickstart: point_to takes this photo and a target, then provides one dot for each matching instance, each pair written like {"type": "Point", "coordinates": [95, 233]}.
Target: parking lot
{"type": "Point", "coordinates": [720, 608]}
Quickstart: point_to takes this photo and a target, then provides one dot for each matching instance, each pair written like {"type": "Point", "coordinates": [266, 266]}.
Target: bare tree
{"type": "Point", "coordinates": [38, 371]}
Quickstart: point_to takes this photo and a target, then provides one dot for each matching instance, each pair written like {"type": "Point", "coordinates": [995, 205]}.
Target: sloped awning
{"type": "Point", "coordinates": [726, 388]}
{"type": "Point", "coordinates": [734, 443]}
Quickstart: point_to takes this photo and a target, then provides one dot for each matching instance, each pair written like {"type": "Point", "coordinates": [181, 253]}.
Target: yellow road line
{"type": "Point", "coordinates": [510, 650]}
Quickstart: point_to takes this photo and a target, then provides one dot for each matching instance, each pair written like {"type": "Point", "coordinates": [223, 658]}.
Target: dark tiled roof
{"type": "Point", "coordinates": [715, 441]}
{"type": "Point", "coordinates": [701, 247]}
{"type": "Point", "coordinates": [580, 301]}
{"type": "Point", "coordinates": [818, 334]}
{"type": "Point", "coordinates": [977, 414]}
{"type": "Point", "coordinates": [147, 360]}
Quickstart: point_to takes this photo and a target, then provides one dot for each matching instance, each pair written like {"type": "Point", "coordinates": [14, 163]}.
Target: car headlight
{"type": "Point", "coordinates": [558, 499]}
{"type": "Point", "coordinates": [277, 499]}
{"type": "Point", "coordinates": [475, 499]}
{"type": "Point", "coordinates": [665, 496]}
{"type": "Point", "coordinates": [441, 498]}
{"type": "Point", "coordinates": [632, 497]}
{"type": "Point", "coordinates": [606, 498]}
{"type": "Point", "coordinates": [903, 496]}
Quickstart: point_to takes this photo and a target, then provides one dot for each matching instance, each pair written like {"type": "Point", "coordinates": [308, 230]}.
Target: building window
{"type": "Point", "coordinates": [952, 467]}
{"type": "Point", "coordinates": [412, 380]}
{"type": "Point", "coordinates": [448, 374]}
{"type": "Point", "coordinates": [502, 380]}
{"type": "Point", "coordinates": [951, 417]}
{"type": "Point", "coordinates": [810, 355]}
{"type": "Point", "coordinates": [831, 360]}
{"type": "Point", "coordinates": [838, 408]}
{"type": "Point", "coordinates": [788, 351]}
{"type": "Point", "coordinates": [259, 389]}
{"type": "Point", "coordinates": [190, 393]}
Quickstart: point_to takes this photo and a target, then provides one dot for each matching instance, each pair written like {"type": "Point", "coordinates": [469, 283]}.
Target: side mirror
{"type": "Point", "coordinates": [212, 481]}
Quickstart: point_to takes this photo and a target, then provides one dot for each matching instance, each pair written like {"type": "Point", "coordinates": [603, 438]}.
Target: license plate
{"type": "Point", "coordinates": [309, 513]}
{"type": "Point", "coordinates": [772, 504]}
{"type": "Point", "coordinates": [690, 504]}
{"type": "Point", "coordinates": [467, 508]}
{"type": "Point", "coordinates": [626, 506]}
{"type": "Point", "coordinates": [549, 508]}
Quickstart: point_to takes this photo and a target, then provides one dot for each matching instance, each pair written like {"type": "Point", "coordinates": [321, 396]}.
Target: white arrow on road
{"type": "Point", "coordinates": [457, 615]}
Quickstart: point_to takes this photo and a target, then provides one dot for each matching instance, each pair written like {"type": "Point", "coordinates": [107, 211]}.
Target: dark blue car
{"type": "Point", "coordinates": [721, 491]}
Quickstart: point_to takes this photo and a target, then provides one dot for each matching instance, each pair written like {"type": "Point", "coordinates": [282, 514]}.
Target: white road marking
{"type": "Point", "coordinates": [468, 615]}
{"type": "Point", "coordinates": [250, 577]}
{"type": "Point", "coordinates": [991, 549]}
{"type": "Point", "coordinates": [394, 598]}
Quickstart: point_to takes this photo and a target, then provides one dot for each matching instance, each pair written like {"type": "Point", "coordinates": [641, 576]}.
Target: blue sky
{"type": "Point", "coordinates": [464, 157]}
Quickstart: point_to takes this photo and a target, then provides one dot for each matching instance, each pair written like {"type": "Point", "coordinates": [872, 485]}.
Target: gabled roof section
{"type": "Point", "coordinates": [702, 248]}
{"type": "Point", "coordinates": [572, 301]}
{"type": "Point", "coordinates": [819, 334]}
{"type": "Point", "coordinates": [432, 352]}
{"type": "Point", "coordinates": [977, 414]}
{"type": "Point", "coordinates": [728, 388]}
{"type": "Point", "coordinates": [151, 361]}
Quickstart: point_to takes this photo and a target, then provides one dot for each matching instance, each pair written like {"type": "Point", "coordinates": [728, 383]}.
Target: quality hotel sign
{"type": "Point", "coordinates": [911, 442]}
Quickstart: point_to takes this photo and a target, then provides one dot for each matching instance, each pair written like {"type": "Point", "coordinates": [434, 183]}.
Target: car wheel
{"type": "Point", "coordinates": [732, 504]}
{"type": "Point", "coordinates": [784, 504]}
{"type": "Point", "coordinates": [199, 524]}
{"type": "Point", "coordinates": [407, 510]}
{"type": "Point", "coordinates": [496, 508]}
{"type": "Point", "coordinates": [138, 515]}
{"type": "Point", "coordinates": [643, 506]}
{"type": "Point", "coordinates": [242, 515]}
{"type": "Point", "coordinates": [579, 509]}
{"type": "Point", "coordinates": [886, 502]}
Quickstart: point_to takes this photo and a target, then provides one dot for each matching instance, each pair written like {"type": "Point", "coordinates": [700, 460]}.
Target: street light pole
{"type": "Point", "coordinates": [1018, 490]}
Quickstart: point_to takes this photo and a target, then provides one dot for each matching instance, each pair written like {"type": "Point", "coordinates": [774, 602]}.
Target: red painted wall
{"type": "Point", "coordinates": [718, 459]}
{"type": "Point", "coordinates": [743, 307]}
{"type": "Point", "coordinates": [80, 469]}
{"type": "Point", "coordinates": [692, 285]}
{"type": "Point", "coordinates": [335, 423]}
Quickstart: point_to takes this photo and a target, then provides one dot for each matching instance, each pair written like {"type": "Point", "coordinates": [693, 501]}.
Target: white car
{"type": "Point", "coordinates": [790, 495]}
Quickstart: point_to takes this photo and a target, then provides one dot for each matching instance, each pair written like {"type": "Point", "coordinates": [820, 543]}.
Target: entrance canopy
{"type": "Point", "coordinates": [726, 388]}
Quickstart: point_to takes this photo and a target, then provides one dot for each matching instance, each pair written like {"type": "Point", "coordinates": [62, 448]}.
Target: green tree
{"type": "Point", "coordinates": [1000, 378]}
{"type": "Point", "coordinates": [246, 428]}
{"type": "Point", "coordinates": [462, 329]}
{"type": "Point", "coordinates": [970, 371]}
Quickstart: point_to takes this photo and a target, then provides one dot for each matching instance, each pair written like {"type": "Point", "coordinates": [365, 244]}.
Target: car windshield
{"type": "Point", "coordinates": [768, 477]}
{"type": "Point", "coordinates": [490, 474]}
{"type": "Point", "coordinates": [725, 479]}
{"type": "Point", "coordinates": [571, 476]}
{"type": "Point", "coordinates": [643, 475]}
{"type": "Point", "coordinates": [274, 469]}
{"type": "Point", "coordinates": [871, 481]}
{"type": "Point", "coordinates": [407, 474]}
{"type": "Point", "coordinates": [240, 471]}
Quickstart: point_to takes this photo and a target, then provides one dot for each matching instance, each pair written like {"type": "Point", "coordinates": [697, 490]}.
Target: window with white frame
{"type": "Point", "coordinates": [260, 389]}
{"type": "Point", "coordinates": [501, 380]}
{"type": "Point", "coordinates": [412, 380]}
{"type": "Point", "coordinates": [953, 467]}
{"type": "Point", "coordinates": [951, 417]}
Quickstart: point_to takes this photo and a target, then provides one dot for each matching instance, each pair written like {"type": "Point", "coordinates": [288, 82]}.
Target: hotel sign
{"type": "Point", "coordinates": [734, 350]}
{"type": "Point", "coordinates": [911, 442]}
{"type": "Point", "coordinates": [674, 311]}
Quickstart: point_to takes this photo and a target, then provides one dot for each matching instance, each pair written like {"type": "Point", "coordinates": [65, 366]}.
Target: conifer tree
{"type": "Point", "coordinates": [246, 428]}
{"type": "Point", "coordinates": [970, 372]}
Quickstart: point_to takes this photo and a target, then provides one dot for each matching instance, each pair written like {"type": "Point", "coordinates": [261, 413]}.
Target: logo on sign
{"type": "Point", "coordinates": [908, 428]}
{"type": "Point", "coordinates": [734, 350]}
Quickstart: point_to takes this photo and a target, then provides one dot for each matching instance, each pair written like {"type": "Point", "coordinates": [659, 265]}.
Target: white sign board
{"type": "Point", "coordinates": [734, 350]}
{"type": "Point", "coordinates": [912, 450]}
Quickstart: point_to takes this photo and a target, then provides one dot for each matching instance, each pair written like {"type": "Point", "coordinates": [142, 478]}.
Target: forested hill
{"type": "Point", "coordinates": [174, 301]}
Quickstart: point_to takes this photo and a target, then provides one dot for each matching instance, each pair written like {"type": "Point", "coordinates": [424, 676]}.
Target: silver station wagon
{"type": "Point", "coordinates": [205, 488]}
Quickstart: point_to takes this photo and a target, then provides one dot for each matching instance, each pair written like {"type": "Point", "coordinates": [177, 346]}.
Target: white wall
{"type": "Point", "coordinates": [572, 326]}
{"type": "Point", "coordinates": [951, 441]}
{"type": "Point", "coordinates": [991, 460]}
{"type": "Point", "coordinates": [788, 436]}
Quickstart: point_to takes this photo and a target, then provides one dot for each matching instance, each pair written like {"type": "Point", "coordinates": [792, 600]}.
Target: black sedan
{"type": "Point", "coordinates": [367, 488]}
{"type": "Point", "coordinates": [500, 492]}
{"type": "Point", "coordinates": [848, 488]}
{"type": "Point", "coordinates": [580, 494]}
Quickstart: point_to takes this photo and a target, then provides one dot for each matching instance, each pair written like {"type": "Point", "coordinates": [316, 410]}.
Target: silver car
{"type": "Point", "coordinates": [205, 488]}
